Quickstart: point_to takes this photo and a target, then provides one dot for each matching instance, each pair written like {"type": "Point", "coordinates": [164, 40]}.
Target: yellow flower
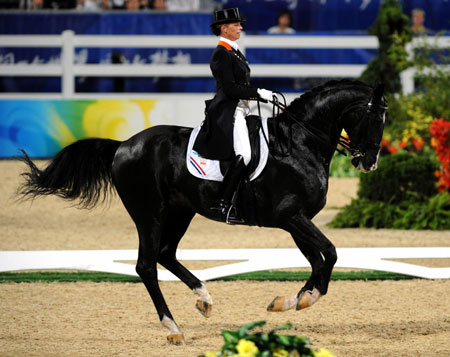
{"type": "Point", "coordinates": [323, 353]}
{"type": "Point", "coordinates": [246, 348]}
{"type": "Point", "coordinates": [279, 352]}
{"type": "Point", "coordinates": [210, 354]}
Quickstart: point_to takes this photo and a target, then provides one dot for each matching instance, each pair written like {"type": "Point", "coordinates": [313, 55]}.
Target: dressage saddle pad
{"type": "Point", "coordinates": [214, 169]}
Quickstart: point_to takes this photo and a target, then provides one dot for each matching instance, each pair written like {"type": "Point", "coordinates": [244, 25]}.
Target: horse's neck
{"type": "Point", "coordinates": [322, 122]}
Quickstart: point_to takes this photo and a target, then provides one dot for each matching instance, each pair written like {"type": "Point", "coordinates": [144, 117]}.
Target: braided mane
{"type": "Point", "coordinates": [302, 105]}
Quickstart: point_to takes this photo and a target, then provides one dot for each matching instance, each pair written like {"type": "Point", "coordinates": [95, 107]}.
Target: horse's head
{"type": "Point", "coordinates": [364, 127]}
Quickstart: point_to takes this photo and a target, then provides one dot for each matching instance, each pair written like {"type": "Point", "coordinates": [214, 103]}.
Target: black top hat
{"type": "Point", "coordinates": [227, 16]}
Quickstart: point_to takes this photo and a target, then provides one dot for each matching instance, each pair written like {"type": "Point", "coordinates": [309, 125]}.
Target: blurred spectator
{"type": "Point", "coordinates": [418, 22]}
{"type": "Point", "coordinates": [31, 4]}
{"type": "Point", "coordinates": [59, 4]}
{"type": "Point", "coordinates": [132, 5]}
{"type": "Point", "coordinates": [158, 5]}
{"type": "Point", "coordinates": [135, 5]}
{"type": "Point", "coordinates": [93, 5]}
{"type": "Point", "coordinates": [118, 4]}
{"type": "Point", "coordinates": [182, 5]}
{"type": "Point", "coordinates": [284, 21]}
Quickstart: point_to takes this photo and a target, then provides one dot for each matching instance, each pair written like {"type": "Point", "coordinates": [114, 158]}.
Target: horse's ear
{"type": "Point", "coordinates": [378, 93]}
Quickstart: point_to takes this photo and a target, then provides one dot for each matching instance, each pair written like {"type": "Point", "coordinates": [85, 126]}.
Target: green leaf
{"type": "Point", "coordinates": [264, 337]}
{"type": "Point", "coordinates": [243, 331]}
{"type": "Point", "coordinates": [283, 327]}
{"type": "Point", "coordinates": [230, 337]}
{"type": "Point", "coordinates": [300, 341]}
{"type": "Point", "coordinates": [285, 340]}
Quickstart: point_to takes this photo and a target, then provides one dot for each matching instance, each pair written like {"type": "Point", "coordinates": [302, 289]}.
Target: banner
{"type": "Point", "coordinates": [43, 127]}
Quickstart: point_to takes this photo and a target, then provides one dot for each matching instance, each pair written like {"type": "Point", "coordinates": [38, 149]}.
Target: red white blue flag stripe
{"type": "Point", "coordinates": [196, 166]}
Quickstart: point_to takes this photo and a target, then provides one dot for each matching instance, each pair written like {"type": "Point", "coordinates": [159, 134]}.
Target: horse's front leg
{"type": "Point", "coordinates": [321, 253]}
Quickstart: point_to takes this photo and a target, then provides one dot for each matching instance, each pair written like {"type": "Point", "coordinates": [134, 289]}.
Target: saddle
{"type": "Point", "coordinates": [214, 170]}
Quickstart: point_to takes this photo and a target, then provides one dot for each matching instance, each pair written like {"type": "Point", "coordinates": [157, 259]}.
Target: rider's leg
{"type": "Point", "coordinates": [241, 141]}
{"type": "Point", "coordinates": [235, 172]}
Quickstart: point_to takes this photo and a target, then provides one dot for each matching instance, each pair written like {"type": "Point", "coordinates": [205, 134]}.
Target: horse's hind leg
{"type": "Point", "coordinates": [149, 244]}
{"type": "Point", "coordinates": [139, 199]}
{"type": "Point", "coordinates": [174, 228]}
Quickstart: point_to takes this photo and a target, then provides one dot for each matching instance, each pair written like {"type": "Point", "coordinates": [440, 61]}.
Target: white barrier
{"type": "Point", "coordinates": [250, 260]}
{"type": "Point", "coordinates": [407, 76]}
{"type": "Point", "coordinates": [68, 70]}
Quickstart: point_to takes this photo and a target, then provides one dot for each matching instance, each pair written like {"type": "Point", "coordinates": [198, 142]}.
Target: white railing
{"type": "Point", "coordinates": [68, 70]}
{"type": "Point", "coordinates": [407, 76]}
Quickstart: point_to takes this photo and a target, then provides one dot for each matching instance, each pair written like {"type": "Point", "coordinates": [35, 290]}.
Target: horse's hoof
{"type": "Point", "coordinates": [176, 339]}
{"type": "Point", "coordinates": [308, 298]}
{"type": "Point", "coordinates": [303, 302]}
{"type": "Point", "coordinates": [277, 305]}
{"type": "Point", "coordinates": [204, 307]}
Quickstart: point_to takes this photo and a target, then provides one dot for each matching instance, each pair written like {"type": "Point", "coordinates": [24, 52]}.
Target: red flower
{"type": "Point", "coordinates": [402, 144]}
{"type": "Point", "coordinates": [392, 149]}
{"type": "Point", "coordinates": [418, 143]}
{"type": "Point", "coordinates": [440, 130]}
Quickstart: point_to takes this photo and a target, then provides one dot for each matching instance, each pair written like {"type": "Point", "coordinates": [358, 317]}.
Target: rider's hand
{"type": "Point", "coordinates": [265, 94]}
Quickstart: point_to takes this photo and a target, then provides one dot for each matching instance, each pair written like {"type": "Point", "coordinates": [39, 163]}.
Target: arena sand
{"type": "Point", "coordinates": [382, 318]}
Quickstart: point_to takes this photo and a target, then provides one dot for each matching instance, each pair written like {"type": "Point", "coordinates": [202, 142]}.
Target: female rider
{"type": "Point", "coordinates": [224, 133]}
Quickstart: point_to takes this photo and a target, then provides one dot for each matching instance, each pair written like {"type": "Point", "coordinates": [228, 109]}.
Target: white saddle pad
{"type": "Point", "coordinates": [210, 169]}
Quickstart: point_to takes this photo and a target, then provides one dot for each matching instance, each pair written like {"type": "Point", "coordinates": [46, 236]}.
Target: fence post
{"type": "Point", "coordinates": [68, 49]}
{"type": "Point", "coordinates": [407, 80]}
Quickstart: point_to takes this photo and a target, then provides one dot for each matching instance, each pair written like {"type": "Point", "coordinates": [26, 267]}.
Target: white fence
{"type": "Point", "coordinates": [67, 69]}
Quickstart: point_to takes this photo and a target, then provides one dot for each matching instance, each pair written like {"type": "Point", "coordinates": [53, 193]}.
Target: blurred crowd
{"type": "Point", "coordinates": [99, 5]}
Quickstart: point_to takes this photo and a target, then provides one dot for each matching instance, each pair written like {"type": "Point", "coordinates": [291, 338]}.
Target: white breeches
{"type": "Point", "coordinates": [241, 141]}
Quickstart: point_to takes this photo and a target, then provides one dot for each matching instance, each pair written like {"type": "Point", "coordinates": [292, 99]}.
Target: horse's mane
{"type": "Point", "coordinates": [300, 104]}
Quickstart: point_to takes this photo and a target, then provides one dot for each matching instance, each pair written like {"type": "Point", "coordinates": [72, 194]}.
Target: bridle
{"type": "Point", "coordinates": [358, 150]}
{"type": "Point", "coordinates": [355, 150]}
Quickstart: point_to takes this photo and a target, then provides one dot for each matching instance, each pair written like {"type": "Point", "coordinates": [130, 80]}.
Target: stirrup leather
{"type": "Point", "coordinates": [232, 216]}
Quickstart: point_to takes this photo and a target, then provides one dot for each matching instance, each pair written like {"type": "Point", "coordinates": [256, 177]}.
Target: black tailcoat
{"type": "Point", "coordinates": [232, 74]}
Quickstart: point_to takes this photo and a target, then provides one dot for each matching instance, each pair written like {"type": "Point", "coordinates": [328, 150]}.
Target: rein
{"type": "Point", "coordinates": [278, 106]}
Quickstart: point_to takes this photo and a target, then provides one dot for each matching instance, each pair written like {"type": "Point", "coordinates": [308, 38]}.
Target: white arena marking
{"type": "Point", "coordinates": [253, 260]}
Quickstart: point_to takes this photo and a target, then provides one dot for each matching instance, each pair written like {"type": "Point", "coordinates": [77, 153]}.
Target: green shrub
{"type": "Point", "coordinates": [341, 166]}
{"type": "Point", "coordinates": [401, 194]}
{"type": "Point", "coordinates": [400, 177]}
{"type": "Point", "coordinates": [385, 67]}
{"type": "Point", "coordinates": [433, 214]}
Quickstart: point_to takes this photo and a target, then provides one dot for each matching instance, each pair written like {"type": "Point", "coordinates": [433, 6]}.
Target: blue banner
{"type": "Point", "coordinates": [334, 15]}
{"type": "Point", "coordinates": [311, 15]}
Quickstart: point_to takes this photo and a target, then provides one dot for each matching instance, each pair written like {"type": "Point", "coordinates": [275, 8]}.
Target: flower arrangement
{"type": "Point", "coordinates": [242, 343]}
{"type": "Point", "coordinates": [413, 145]}
{"type": "Point", "coordinates": [440, 130]}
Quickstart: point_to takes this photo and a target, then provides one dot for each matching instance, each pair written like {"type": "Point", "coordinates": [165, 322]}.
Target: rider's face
{"type": "Point", "coordinates": [232, 31]}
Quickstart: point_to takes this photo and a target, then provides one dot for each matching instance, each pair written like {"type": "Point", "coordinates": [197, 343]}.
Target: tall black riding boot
{"type": "Point", "coordinates": [231, 183]}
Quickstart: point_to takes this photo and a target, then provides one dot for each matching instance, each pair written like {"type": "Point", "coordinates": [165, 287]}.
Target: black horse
{"type": "Point", "coordinates": [150, 175]}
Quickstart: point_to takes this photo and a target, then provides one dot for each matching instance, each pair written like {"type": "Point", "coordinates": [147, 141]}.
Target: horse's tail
{"type": "Point", "coordinates": [81, 171]}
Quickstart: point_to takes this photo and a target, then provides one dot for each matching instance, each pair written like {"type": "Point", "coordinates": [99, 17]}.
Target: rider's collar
{"type": "Point", "coordinates": [233, 44]}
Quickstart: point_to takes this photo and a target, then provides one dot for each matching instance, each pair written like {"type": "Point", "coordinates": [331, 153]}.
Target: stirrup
{"type": "Point", "coordinates": [232, 217]}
